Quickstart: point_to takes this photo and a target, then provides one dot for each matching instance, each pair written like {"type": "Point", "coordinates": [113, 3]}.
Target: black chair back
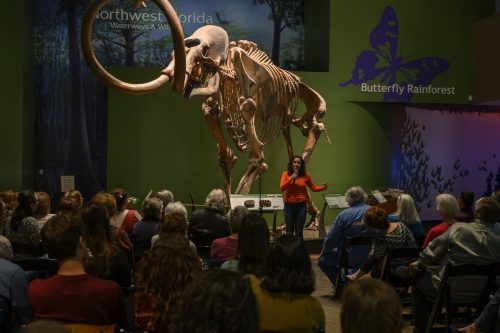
{"type": "Point", "coordinates": [43, 265]}
{"type": "Point", "coordinates": [25, 250]}
{"type": "Point", "coordinates": [362, 244]}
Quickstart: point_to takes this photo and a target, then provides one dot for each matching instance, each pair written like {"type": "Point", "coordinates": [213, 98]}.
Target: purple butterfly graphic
{"type": "Point", "coordinates": [382, 62]}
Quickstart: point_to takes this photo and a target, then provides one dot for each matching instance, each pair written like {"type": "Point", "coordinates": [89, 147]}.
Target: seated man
{"type": "Point", "coordinates": [72, 296]}
{"type": "Point", "coordinates": [465, 202]}
{"type": "Point", "coordinates": [348, 223]}
{"type": "Point", "coordinates": [225, 248]}
{"type": "Point", "coordinates": [476, 242]}
{"type": "Point", "coordinates": [13, 285]}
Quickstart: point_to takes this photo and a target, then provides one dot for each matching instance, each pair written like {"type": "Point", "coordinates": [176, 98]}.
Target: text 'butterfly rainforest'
{"type": "Point", "coordinates": [382, 70]}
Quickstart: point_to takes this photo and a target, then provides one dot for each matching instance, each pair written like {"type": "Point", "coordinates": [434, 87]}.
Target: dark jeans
{"type": "Point", "coordinates": [295, 218]}
{"type": "Point", "coordinates": [422, 293]}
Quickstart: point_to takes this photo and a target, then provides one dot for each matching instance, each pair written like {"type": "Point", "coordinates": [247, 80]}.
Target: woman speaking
{"type": "Point", "coordinates": [295, 181]}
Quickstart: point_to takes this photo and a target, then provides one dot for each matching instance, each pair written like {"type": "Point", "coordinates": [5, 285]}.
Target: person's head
{"type": "Point", "coordinates": [447, 206]}
{"type": "Point", "coordinates": [296, 163]}
{"type": "Point", "coordinates": [253, 245]}
{"type": "Point", "coordinates": [121, 197]}
{"type": "Point", "coordinates": [76, 195]}
{"type": "Point", "coordinates": [218, 301]}
{"type": "Point", "coordinates": [9, 197]}
{"type": "Point", "coordinates": [376, 217]}
{"type": "Point", "coordinates": [216, 199]}
{"type": "Point", "coordinates": [173, 223]}
{"type": "Point", "coordinates": [288, 267]}
{"type": "Point", "coordinates": [355, 195]}
{"type": "Point", "coordinates": [68, 204]}
{"type": "Point", "coordinates": [370, 305]}
{"type": "Point", "coordinates": [106, 199]}
{"type": "Point", "coordinates": [63, 237]}
{"type": "Point", "coordinates": [406, 209]}
{"type": "Point", "coordinates": [96, 221]}
{"type": "Point", "coordinates": [487, 210]}
{"type": "Point", "coordinates": [175, 207]}
{"type": "Point", "coordinates": [165, 196]}
{"type": "Point", "coordinates": [5, 248]}
{"type": "Point", "coordinates": [151, 209]}
{"type": "Point", "coordinates": [43, 204]}
{"type": "Point", "coordinates": [236, 216]}
{"type": "Point", "coordinates": [466, 199]}
{"type": "Point", "coordinates": [27, 204]}
{"type": "Point", "coordinates": [163, 273]}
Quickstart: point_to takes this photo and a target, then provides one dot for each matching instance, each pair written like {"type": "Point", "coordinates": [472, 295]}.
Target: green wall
{"type": "Point", "coordinates": [16, 102]}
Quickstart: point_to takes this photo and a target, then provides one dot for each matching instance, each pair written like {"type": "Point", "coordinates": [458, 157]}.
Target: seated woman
{"type": "Point", "coordinates": [226, 248]}
{"type": "Point", "coordinates": [210, 222]}
{"type": "Point", "coordinates": [448, 209]}
{"type": "Point", "coordinates": [124, 218]}
{"type": "Point", "coordinates": [21, 228]}
{"type": "Point", "coordinates": [162, 275]}
{"type": "Point", "coordinates": [370, 305]}
{"type": "Point", "coordinates": [42, 214]}
{"type": "Point", "coordinates": [218, 301]}
{"type": "Point", "coordinates": [406, 212]}
{"type": "Point", "coordinates": [284, 294]}
{"type": "Point", "coordinates": [108, 260]}
{"type": "Point", "coordinates": [395, 235]}
{"type": "Point", "coordinates": [253, 246]}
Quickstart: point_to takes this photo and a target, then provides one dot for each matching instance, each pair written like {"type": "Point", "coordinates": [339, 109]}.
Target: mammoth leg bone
{"type": "Point", "coordinates": [227, 159]}
{"type": "Point", "coordinates": [256, 165]}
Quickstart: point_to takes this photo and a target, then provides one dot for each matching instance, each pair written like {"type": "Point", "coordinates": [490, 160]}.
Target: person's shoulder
{"type": "Point", "coordinates": [9, 268]}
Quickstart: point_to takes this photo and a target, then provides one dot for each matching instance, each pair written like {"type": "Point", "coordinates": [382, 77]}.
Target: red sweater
{"type": "Point", "coordinates": [296, 191]}
{"type": "Point", "coordinates": [435, 232]}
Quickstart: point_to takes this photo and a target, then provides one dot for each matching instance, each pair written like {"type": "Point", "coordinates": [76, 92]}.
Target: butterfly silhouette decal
{"type": "Point", "coordinates": [390, 69]}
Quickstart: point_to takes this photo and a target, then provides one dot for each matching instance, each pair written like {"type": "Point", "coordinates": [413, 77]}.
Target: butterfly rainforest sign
{"type": "Point", "coordinates": [381, 67]}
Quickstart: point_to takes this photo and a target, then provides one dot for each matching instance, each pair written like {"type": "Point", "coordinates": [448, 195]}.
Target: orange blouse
{"type": "Point", "coordinates": [296, 191]}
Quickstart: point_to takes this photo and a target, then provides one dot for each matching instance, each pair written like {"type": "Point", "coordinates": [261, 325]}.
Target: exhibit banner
{"type": "Point", "coordinates": [395, 51]}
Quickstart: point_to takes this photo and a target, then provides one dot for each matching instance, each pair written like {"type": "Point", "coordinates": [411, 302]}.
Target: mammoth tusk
{"type": "Point", "coordinates": [102, 74]}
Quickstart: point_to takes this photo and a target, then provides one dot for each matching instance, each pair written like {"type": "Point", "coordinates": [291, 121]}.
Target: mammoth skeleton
{"type": "Point", "coordinates": [243, 90]}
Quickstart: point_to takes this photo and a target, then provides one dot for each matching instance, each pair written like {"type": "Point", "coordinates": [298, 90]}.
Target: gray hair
{"type": "Point", "coordinates": [176, 207]}
{"type": "Point", "coordinates": [152, 207]}
{"type": "Point", "coordinates": [447, 205]}
{"type": "Point", "coordinates": [5, 248]}
{"type": "Point", "coordinates": [355, 195]}
{"type": "Point", "coordinates": [236, 216]}
{"type": "Point", "coordinates": [216, 199]}
{"type": "Point", "coordinates": [406, 210]}
{"type": "Point", "coordinates": [165, 196]}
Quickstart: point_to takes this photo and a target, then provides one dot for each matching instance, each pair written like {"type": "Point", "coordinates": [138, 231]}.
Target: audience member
{"type": "Point", "coordinates": [108, 260]}
{"type": "Point", "coordinates": [496, 195]}
{"type": "Point", "coordinates": [75, 195]}
{"type": "Point", "coordinates": [124, 218]}
{"type": "Point", "coordinates": [176, 223]}
{"type": "Point", "coordinates": [42, 214]}
{"type": "Point", "coordinates": [148, 227]}
{"type": "Point", "coordinates": [162, 275]}
{"type": "Point", "coordinates": [13, 295]}
{"type": "Point", "coordinates": [22, 227]}
{"type": "Point", "coordinates": [406, 212]}
{"type": "Point", "coordinates": [477, 242]}
{"type": "Point", "coordinates": [226, 248]}
{"type": "Point", "coordinates": [349, 223]}
{"type": "Point", "coordinates": [67, 204]}
{"type": "Point", "coordinates": [3, 215]}
{"type": "Point", "coordinates": [253, 247]}
{"type": "Point", "coordinates": [447, 206]}
{"type": "Point", "coordinates": [370, 305]}
{"type": "Point", "coordinates": [9, 197]}
{"type": "Point", "coordinates": [284, 294]}
{"type": "Point", "coordinates": [165, 196]}
{"type": "Point", "coordinates": [218, 301]}
{"type": "Point", "coordinates": [72, 296]}
{"type": "Point", "coordinates": [210, 222]}
{"type": "Point", "coordinates": [394, 235]}
{"type": "Point", "coordinates": [466, 203]}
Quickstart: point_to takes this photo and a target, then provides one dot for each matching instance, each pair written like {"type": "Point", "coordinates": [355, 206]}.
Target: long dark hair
{"type": "Point", "coordinates": [302, 170]}
{"type": "Point", "coordinates": [253, 245]}
{"type": "Point", "coordinates": [217, 301]}
{"type": "Point", "coordinates": [98, 236]}
{"type": "Point", "coordinates": [289, 267]}
{"type": "Point", "coordinates": [23, 210]}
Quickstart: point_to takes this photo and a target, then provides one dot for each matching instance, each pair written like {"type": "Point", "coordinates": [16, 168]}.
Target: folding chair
{"type": "Point", "coordinates": [42, 265]}
{"type": "Point", "coordinates": [457, 289]}
{"type": "Point", "coordinates": [362, 246]}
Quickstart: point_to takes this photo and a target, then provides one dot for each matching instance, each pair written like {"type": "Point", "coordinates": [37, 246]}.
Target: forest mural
{"type": "Point", "coordinates": [447, 149]}
{"type": "Point", "coordinates": [71, 105]}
